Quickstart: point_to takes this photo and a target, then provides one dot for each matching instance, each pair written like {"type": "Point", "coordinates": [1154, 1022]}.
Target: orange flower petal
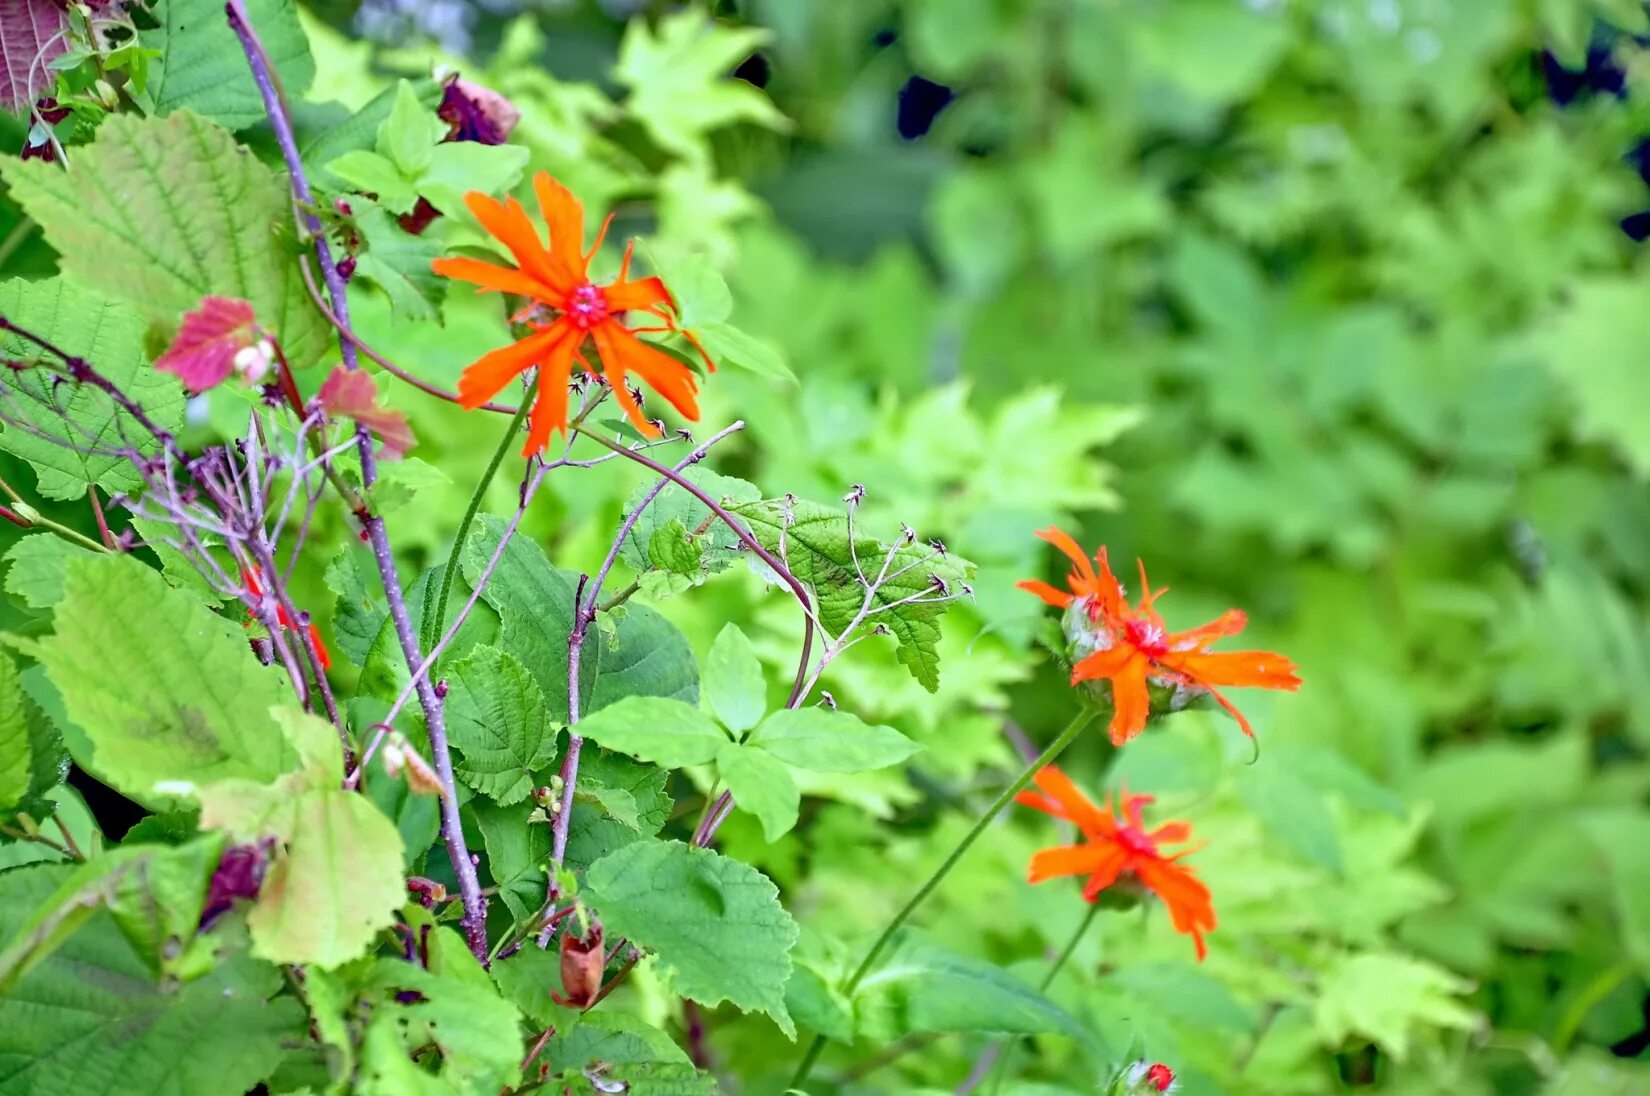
{"type": "Point", "coordinates": [490, 276]}
{"type": "Point", "coordinates": [508, 223]}
{"type": "Point", "coordinates": [1229, 623]}
{"type": "Point", "coordinates": [622, 353]}
{"type": "Point", "coordinates": [483, 379]}
{"type": "Point", "coordinates": [1108, 592]}
{"type": "Point", "coordinates": [1063, 799]}
{"type": "Point", "coordinates": [1065, 860]}
{"type": "Point", "coordinates": [1107, 663]}
{"type": "Point", "coordinates": [1131, 701]}
{"type": "Point", "coordinates": [1257, 669]}
{"type": "Point", "coordinates": [550, 406]}
{"type": "Point", "coordinates": [1082, 576]}
{"type": "Point", "coordinates": [1172, 833]}
{"type": "Point", "coordinates": [564, 214]}
{"type": "Point", "coordinates": [1190, 906]}
{"type": "Point", "coordinates": [642, 293]}
{"type": "Point", "coordinates": [1110, 865]}
{"type": "Point", "coordinates": [1050, 594]}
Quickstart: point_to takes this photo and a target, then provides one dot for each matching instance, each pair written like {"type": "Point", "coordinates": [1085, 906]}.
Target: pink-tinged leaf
{"type": "Point", "coordinates": [31, 34]}
{"type": "Point", "coordinates": [355, 395]}
{"type": "Point", "coordinates": [203, 353]}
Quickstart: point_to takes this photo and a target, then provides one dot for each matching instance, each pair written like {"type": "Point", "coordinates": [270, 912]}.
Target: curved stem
{"type": "Point", "coordinates": [1055, 748]}
{"type": "Point", "coordinates": [436, 615]}
{"type": "Point", "coordinates": [1007, 1047]}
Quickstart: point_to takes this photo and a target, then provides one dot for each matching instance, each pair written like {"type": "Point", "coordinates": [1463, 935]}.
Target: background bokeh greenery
{"type": "Point", "coordinates": [1330, 310]}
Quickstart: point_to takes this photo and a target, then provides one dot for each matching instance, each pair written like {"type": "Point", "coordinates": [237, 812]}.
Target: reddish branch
{"type": "Point", "coordinates": [452, 831]}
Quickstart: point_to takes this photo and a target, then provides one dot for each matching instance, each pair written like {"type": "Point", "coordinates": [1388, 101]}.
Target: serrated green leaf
{"type": "Point", "coordinates": [384, 671]}
{"type": "Point", "coordinates": [655, 729]}
{"type": "Point", "coordinates": [716, 925]}
{"type": "Point", "coordinates": [593, 833]}
{"type": "Point", "coordinates": [359, 612]}
{"type": "Point", "coordinates": [535, 607]}
{"type": "Point", "coordinates": [831, 741]}
{"type": "Point", "coordinates": [720, 546]}
{"type": "Point", "coordinates": [761, 784]}
{"type": "Point", "coordinates": [194, 708]}
{"type": "Point", "coordinates": [35, 565]}
{"type": "Point", "coordinates": [1384, 997]}
{"type": "Point", "coordinates": [517, 851]}
{"type": "Point", "coordinates": [1589, 347]}
{"type": "Point", "coordinates": [199, 64]}
{"type": "Point", "coordinates": [647, 656]}
{"type": "Point", "coordinates": [611, 1037]}
{"type": "Point", "coordinates": [496, 718]}
{"type": "Point", "coordinates": [1620, 838]}
{"type": "Point", "coordinates": [170, 210]}
{"type": "Point", "coordinates": [93, 1011]}
{"type": "Point", "coordinates": [327, 131]}
{"type": "Point", "coordinates": [733, 681]}
{"type": "Point", "coordinates": [818, 551]}
{"type": "Point", "coordinates": [672, 549]}
{"type": "Point", "coordinates": [81, 425]}
{"type": "Point", "coordinates": [454, 1006]}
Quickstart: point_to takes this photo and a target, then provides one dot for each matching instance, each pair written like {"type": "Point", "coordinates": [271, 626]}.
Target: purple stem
{"type": "Point", "coordinates": [584, 614]}
{"type": "Point", "coordinates": [474, 921]}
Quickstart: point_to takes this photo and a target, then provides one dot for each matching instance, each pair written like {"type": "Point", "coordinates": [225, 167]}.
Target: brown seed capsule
{"type": "Point", "coordinates": [582, 961]}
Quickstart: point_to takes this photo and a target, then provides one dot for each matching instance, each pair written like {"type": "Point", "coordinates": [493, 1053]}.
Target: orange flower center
{"type": "Point", "coordinates": [587, 306]}
{"type": "Point", "coordinates": [1146, 637]}
{"type": "Point", "coordinates": [1136, 841]}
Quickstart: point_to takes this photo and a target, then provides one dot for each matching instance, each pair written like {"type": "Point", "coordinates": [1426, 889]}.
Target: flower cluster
{"type": "Point", "coordinates": [1129, 647]}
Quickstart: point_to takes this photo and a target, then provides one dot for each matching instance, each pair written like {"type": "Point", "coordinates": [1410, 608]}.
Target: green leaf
{"type": "Point", "coordinates": [32, 758]}
{"type": "Point", "coordinates": [1384, 997]}
{"type": "Point", "coordinates": [192, 708]}
{"type": "Point", "coordinates": [327, 131]}
{"type": "Point", "coordinates": [199, 64]}
{"type": "Point", "coordinates": [535, 607]}
{"type": "Point", "coordinates": [1619, 836]}
{"type": "Point", "coordinates": [665, 732]}
{"type": "Point", "coordinates": [399, 263]}
{"type": "Point", "coordinates": [676, 71]}
{"type": "Point", "coordinates": [169, 210]}
{"type": "Point", "coordinates": [920, 986]}
{"type": "Point", "coordinates": [496, 718]}
{"type": "Point", "coordinates": [458, 167]}
{"type": "Point", "coordinates": [384, 671]}
{"type": "Point", "coordinates": [716, 924]}
{"type": "Point", "coordinates": [374, 174]}
{"type": "Point", "coordinates": [409, 133]}
{"type": "Point", "coordinates": [1294, 811]}
{"type": "Point", "coordinates": [733, 680]}
{"type": "Point", "coordinates": [727, 345]}
{"type": "Point", "coordinates": [813, 541]}
{"type": "Point", "coordinates": [454, 1006]}
{"type": "Point", "coordinates": [93, 1011]}
{"type": "Point", "coordinates": [762, 785]}
{"type": "Point", "coordinates": [359, 613]}
{"type": "Point", "coordinates": [1590, 347]}
{"type": "Point", "coordinates": [81, 425]}
{"type": "Point", "coordinates": [671, 549]}
{"type": "Point", "coordinates": [517, 851]}
{"type": "Point", "coordinates": [611, 1037]}
{"type": "Point", "coordinates": [595, 830]}
{"type": "Point", "coordinates": [676, 507]}
{"type": "Point", "coordinates": [825, 740]}
{"type": "Point", "coordinates": [35, 568]}
{"type": "Point", "coordinates": [647, 655]}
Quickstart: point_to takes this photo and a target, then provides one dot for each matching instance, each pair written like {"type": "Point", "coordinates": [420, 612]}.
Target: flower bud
{"type": "Point", "coordinates": [582, 963]}
{"type": "Point", "coordinates": [1142, 1078]}
{"type": "Point", "coordinates": [252, 362]}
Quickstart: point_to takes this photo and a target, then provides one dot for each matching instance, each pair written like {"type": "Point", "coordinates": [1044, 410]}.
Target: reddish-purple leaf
{"type": "Point", "coordinates": [31, 34]}
{"type": "Point", "coordinates": [355, 395]}
{"type": "Point", "coordinates": [203, 353]}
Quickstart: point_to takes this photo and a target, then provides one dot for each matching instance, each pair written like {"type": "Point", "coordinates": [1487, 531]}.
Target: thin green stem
{"type": "Point", "coordinates": [1013, 1042]}
{"type": "Point", "coordinates": [1055, 748]}
{"type": "Point", "coordinates": [436, 615]}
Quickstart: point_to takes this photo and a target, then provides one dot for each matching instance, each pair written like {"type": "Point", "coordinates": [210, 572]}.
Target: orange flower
{"type": "Point", "coordinates": [558, 280]}
{"type": "Point", "coordinates": [1120, 847]}
{"type": "Point", "coordinates": [1130, 647]}
{"type": "Point", "coordinates": [255, 587]}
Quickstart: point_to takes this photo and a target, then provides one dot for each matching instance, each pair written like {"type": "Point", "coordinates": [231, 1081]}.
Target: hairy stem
{"type": "Point", "coordinates": [474, 921]}
{"type": "Point", "coordinates": [1055, 748]}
